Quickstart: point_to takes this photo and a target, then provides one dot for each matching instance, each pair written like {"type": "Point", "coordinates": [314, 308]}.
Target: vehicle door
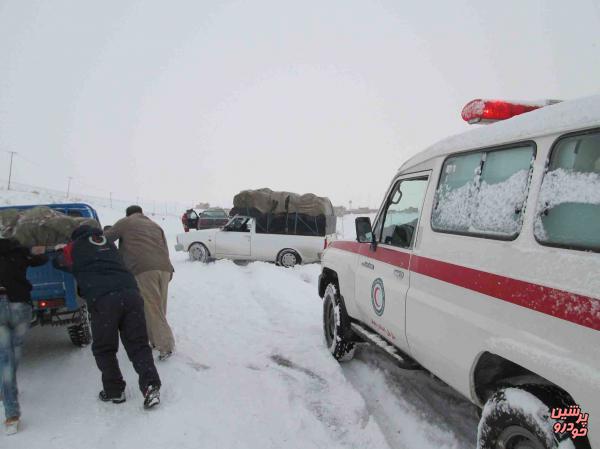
{"type": "Point", "coordinates": [192, 219]}
{"type": "Point", "coordinates": [382, 277]}
{"type": "Point", "coordinates": [235, 238]}
{"type": "Point", "coordinates": [204, 221]}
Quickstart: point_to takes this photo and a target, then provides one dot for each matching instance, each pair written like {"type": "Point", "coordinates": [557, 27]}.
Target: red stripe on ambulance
{"type": "Point", "coordinates": [578, 309]}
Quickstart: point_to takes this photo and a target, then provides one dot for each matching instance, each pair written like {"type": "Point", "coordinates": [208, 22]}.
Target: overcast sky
{"type": "Point", "coordinates": [196, 100]}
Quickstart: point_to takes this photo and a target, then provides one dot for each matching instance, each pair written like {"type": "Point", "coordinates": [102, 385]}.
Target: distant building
{"type": "Point", "coordinates": [364, 210]}
{"type": "Point", "coordinates": [411, 210]}
{"type": "Point", "coordinates": [340, 211]}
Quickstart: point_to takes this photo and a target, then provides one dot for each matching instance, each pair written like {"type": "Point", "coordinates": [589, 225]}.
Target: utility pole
{"type": "Point", "coordinates": [69, 186]}
{"type": "Point", "coordinates": [12, 153]}
{"type": "Point", "coordinates": [110, 199]}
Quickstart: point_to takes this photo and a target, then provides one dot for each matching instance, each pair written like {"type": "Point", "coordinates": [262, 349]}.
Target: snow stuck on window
{"type": "Point", "coordinates": [499, 205]}
{"type": "Point", "coordinates": [453, 212]}
{"type": "Point", "coordinates": [492, 209]}
{"type": "Point", "coordinates": [565, 186]}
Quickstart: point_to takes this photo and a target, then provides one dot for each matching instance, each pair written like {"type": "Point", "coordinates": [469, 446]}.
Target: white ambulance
{"type": "Point", "coordinates": [483, 267]}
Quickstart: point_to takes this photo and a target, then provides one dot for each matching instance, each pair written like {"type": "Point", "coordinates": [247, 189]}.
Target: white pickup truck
{"type": "Point", "coordinates": [238, 240]}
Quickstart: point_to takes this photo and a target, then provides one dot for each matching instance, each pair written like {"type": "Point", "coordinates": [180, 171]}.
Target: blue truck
{"type": "Point", "coordinates": [54, 295]}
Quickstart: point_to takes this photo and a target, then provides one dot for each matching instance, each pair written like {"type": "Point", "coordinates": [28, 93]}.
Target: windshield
{"type": "Point", "coordinates": [214, 214]}
{"type": "Point", "coordinates": [237, 223]}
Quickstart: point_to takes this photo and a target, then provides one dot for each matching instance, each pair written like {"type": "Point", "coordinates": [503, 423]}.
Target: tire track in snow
{"type": "Point", "coordinates": [413, 409]}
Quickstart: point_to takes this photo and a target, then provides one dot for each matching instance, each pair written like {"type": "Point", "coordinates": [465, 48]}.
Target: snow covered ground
{"type": "Point", "coordinates": [251, 371]}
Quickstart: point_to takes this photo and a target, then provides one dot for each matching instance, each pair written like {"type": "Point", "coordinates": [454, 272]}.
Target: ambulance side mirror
{"type": "Point", "coordinates": [364, 231]}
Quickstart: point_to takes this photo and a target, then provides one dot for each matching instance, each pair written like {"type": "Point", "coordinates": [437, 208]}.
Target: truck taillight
{"type": "Point", "coordinates": [325, 243]}
{"type": "Point", "coordinates": [51, 303]}
{"type": "Point", "coordinates": [488, 111]}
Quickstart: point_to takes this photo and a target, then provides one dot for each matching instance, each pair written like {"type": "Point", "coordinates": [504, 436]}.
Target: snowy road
{"type": "Point", "coordinates": [251, 371]}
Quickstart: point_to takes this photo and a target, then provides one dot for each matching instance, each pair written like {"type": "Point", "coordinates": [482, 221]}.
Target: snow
{"type": "Point", "coordinates": [565, 186]}
{"type": "Point", "coordinates": [345, 225]}
{"type": "Point", "coordinates": [251, 370]}
{"type": "Point", "coordinates": [454, 206]}
{"type": "Point", "coordinates": [497, 205]}
{"type": "Point", "coordinates": [561, 117]}
{"type": "Point", "coordinates": [515, 400]}
{"type": "Point", "coordinates": [489, 209]}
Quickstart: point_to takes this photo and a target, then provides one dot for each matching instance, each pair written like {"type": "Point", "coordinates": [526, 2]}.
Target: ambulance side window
{"type": "Point", "coordinates": [568, 212]}
{"type": "Point", "coordinates": [483, 193]}
{"type": "Point", "coordinates": [402, 213]}
{"type": "Point", "coordinates": [453, 202]}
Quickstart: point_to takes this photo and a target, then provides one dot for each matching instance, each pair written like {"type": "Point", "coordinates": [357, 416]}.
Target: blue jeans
{"type": "Point", "coordinates": [15, 318]}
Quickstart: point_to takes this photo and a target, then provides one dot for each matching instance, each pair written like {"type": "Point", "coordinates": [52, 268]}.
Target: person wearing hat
{"type": "Point", "coordinates": [116, 309]}
{"type": "Point", "coordinates": [143, 245]}
{"type": "Point", "coordinates": [15, 317]}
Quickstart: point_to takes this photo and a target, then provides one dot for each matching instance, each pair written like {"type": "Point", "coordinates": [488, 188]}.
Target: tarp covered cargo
{"type": "Point", "coordinates": [286, 212]}
{"type": "Point", "coordinates": [267, 201]}
{"type": "Point", "coordinates": [40, 225]}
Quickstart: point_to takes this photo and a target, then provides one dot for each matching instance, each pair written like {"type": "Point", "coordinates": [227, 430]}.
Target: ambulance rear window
{"type": "Point", "coordinates": [483, 193]}
{"type": "Point", "coordinates": [568, 212]}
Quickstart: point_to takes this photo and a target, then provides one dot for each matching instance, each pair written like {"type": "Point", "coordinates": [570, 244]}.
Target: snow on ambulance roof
{"type": "Point", "coordinates": [561, 117]}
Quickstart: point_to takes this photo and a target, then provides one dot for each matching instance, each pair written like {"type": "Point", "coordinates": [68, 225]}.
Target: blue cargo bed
{"type": "Point", "coordinates": [54, 293]}
{"type": "Point", "coordinates": [52, 284]}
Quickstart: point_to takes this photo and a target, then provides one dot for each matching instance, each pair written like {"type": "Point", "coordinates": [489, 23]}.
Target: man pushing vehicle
{"type": "Point", "coordinates": [143, 245]}
{"type": "Point", "coordinates": [116, 307]}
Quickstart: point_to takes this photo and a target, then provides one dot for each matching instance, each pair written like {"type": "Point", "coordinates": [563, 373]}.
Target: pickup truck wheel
{"type": "Point", "coordinates": [288, 258]}
{"type": "Point", "coordinates": [336, 326]}
{"type": "Point", "coordinates": [519, 418]}
{"type": "Point", "coordinates": [198, 252]}
{"type": "Point", "coordinates": [81, 334]}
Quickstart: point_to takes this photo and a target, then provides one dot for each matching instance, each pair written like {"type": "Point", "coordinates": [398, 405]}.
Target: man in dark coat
{"type": "Point", "coordinates": [15, 316]}
{"type": "Point", "coordinates": [116, 307]}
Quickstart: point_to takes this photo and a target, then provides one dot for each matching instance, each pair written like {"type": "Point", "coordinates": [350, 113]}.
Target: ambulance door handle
{"type": "Point", "coordinates": [399, 274]}
{"type": "Point", "coordinates": [368, 265]}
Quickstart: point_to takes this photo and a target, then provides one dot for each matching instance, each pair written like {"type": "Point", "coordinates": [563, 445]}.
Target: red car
{"type": "Point", "coordinates": [210, 218]}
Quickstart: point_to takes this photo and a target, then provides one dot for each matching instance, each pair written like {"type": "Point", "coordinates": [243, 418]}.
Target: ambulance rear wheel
{"type": "Point", "coordinates": [519, 418]}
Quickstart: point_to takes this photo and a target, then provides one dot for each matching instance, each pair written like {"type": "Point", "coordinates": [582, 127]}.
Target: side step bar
{"type": "Point", "coordinates": [402, 360]}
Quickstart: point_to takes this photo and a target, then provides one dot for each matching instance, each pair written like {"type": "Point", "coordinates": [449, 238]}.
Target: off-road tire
{"type": "Point", "coordinates": [336, 326]}
{"type": "Point", "coordinates": [81, 334]}
{"type": "Point", "coordinates": [519, 417]}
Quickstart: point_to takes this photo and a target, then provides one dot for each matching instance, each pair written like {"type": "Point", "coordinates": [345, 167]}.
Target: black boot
{"type": "Point", "coordinates": [151, 396]}
{"type": "Point", "coordinates": [115, 399]}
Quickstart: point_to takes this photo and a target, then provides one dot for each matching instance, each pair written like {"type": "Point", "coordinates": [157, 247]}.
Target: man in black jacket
{"type": "Point", "coordinates": [15, 316]}
{"type": "Point", "coordinates": [116, 307]}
